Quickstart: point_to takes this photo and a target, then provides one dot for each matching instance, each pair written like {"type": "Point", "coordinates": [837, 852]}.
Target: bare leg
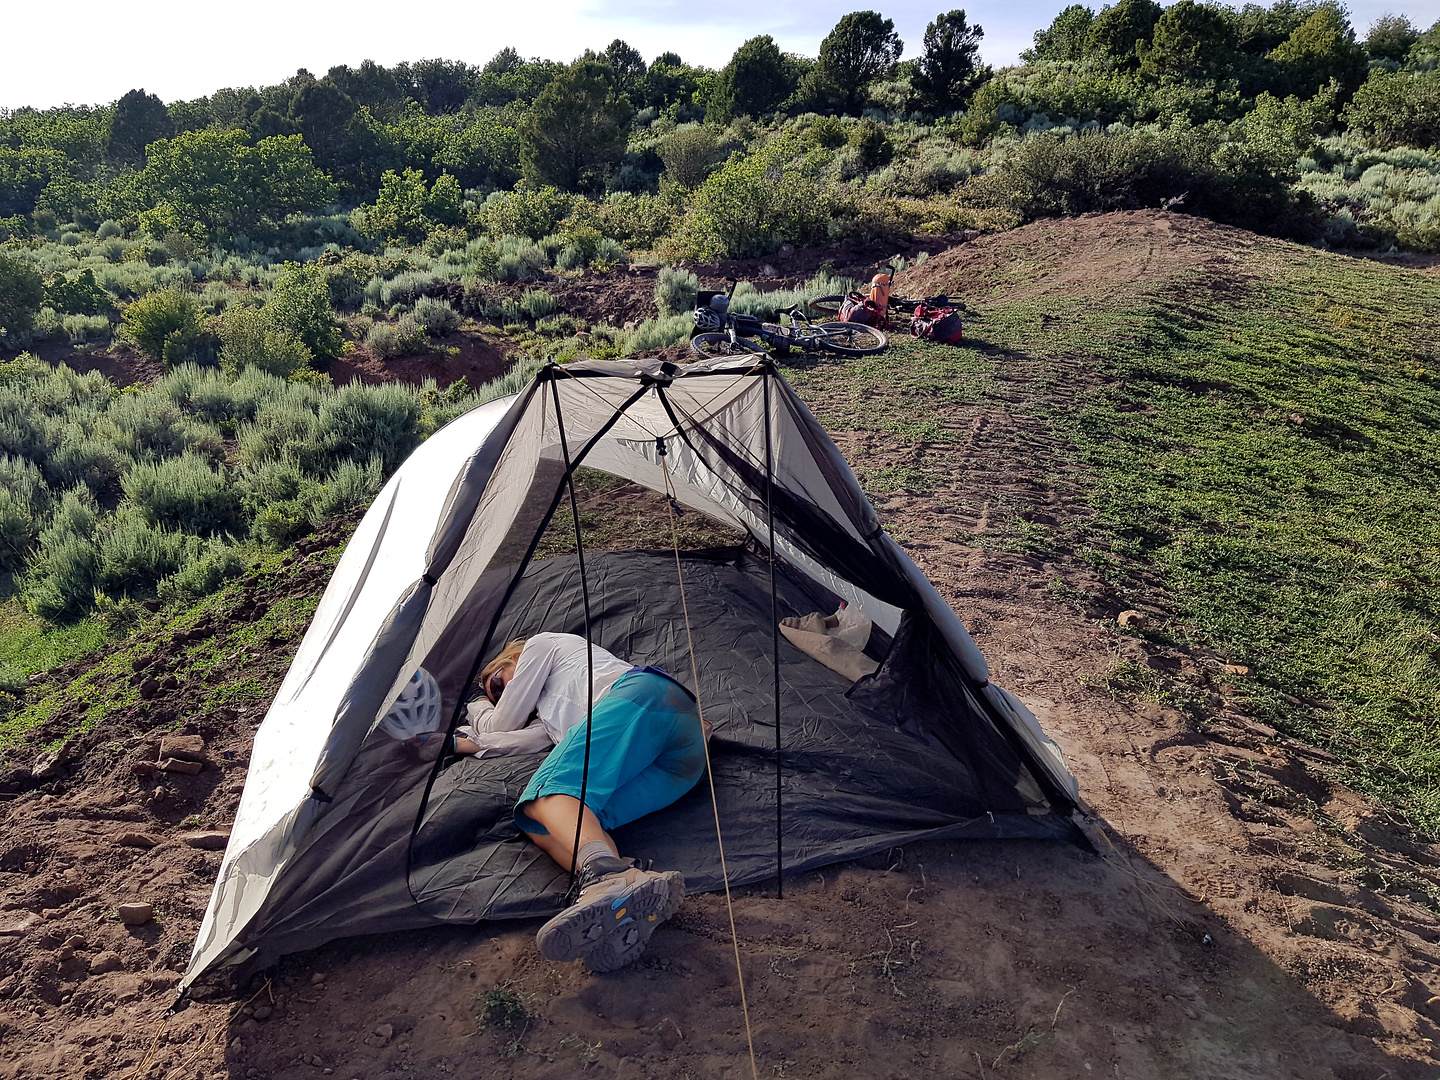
{"type": "Point", "coordinates": [557, 813]}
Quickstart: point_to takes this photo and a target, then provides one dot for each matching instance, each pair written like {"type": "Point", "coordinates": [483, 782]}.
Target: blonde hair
{"type": "Point", "coordinates": [508, 655]}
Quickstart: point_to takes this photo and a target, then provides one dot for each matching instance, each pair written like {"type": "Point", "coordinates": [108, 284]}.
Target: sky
{"type": "Point", "coordinates": [92, 51]}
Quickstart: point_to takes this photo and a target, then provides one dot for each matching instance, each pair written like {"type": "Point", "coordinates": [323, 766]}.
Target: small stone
{"type": "Point", "coordinates": [630, 324]}
{"type": "Point", "coordinates": [175, 765]}
{"type": "Point", "coordinates": [1138, 619]}
{"type": "Point", "coordinates": [263, 1012]}
{"type": "Point", "coordinates": [75, 941]}
{"type": "Point", "coordinates": [208, 841]}
{"type": "Point", "coordinates": [136, 840]}
{"type": "Point", "coordinates": [768, 271]}
{"type": "Point", "coordinates": [149, 688]}
{"type": "Point", "coordinates": [236, 1045]}
{"type": "Point", "coordinates": [1296, 418]}
{"type": "Point", "coordinates": [48, 766]}
{"type": "Point", "coordinates": [1235, 669]}
{"type": "Point", "coordinates": [18, 928]}
{"type": "Point", "coordinates": [136, 914]}
{"type": "Point", "coordinates": [105, 962]}
{"type": "Point", "coordinates": [143, 768]}
{"type": "Point", "coordinates": [249, 1027]}
{"type": "Point", "coordinates": [385, 1031]}
{"type": "Point", "coordinates": [184, 747]}
{"type": "Point", "coordinates": [64, 952]}
{"type": "Point", "coordinates": [317, 978]}
{"type": "Point", "coordinates": [315, 1060]}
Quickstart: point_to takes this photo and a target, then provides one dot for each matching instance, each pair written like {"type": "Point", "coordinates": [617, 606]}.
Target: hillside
{"type": "Point", "coordinates": [1230, 434]}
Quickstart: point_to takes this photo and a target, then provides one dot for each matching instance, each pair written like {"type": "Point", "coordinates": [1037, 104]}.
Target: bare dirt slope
{"type": "Point", "coordinates": [1244, 917]}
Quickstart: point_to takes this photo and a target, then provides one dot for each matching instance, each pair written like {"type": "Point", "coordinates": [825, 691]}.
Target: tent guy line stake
{"type": "Point", "coordinates": [589, 645]}
{"type": "Point", "coordinates": [700, 709]}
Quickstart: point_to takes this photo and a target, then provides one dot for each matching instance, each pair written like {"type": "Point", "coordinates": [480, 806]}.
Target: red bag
{"type": "Point", "coordinates": [937, 324]}
{"type": "Point", "coordinates": [859, 308]}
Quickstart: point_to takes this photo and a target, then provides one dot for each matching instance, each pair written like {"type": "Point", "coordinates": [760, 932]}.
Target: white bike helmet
{"type": "Point", "coordinates": [707, 319]}
{"type": "Point", "coordinates": [417, 710]}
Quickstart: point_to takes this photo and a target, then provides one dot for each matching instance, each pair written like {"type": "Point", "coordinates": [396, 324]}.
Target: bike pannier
{"type": "Point", "coordinates": [858, 308]}
{"type": "Point", "coordinates": [937, 324]}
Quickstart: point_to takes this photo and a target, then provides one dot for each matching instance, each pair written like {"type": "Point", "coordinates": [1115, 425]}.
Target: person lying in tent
{"type": "Point", "coordinates": [647, 749]}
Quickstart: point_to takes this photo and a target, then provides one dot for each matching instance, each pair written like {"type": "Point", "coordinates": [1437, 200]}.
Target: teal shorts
{"type": "Point", "coordinates": [646, 750]}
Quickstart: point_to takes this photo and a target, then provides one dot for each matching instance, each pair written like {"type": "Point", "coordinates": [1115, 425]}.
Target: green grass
{"type": "Point", "coordinates": [1259, 457]}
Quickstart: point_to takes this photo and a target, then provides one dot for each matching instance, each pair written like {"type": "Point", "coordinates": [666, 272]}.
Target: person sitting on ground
{"type": "Point", "coordinates": [647, 749]}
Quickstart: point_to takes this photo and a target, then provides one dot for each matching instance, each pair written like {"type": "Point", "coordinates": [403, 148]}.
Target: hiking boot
{"type": "Point", "coordinates": [619, 907]}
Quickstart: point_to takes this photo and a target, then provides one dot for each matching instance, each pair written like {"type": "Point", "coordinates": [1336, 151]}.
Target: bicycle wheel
{"type": "Point", "coordinates": [828, 305]}
{"type": "Point", "coordinates": [850, 339]}
{"type": "Point", "coordinates": [710, 345]}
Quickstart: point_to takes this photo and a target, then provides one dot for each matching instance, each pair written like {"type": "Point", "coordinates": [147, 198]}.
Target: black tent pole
{"type": "Point", "coordinates": [589, 645]}
{"type": "Point", "coordinates": [774, 629]}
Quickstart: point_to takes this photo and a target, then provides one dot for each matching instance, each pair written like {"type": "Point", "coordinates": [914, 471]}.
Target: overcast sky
{"type": "Point", "coordinates": [89, 51]}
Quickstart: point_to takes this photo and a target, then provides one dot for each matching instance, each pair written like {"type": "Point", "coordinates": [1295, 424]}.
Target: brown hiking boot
{"type": "Point", "coordinates": [610, 924]}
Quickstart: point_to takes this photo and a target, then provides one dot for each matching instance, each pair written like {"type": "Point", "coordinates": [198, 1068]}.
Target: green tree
{"type": "Point", "coordinates": [22, 291]}
{"type": "Point", "coordinates": [757, 80]}
{"type": "Point", "coordinates": [629, 67]}
{"type": "Point", "coordinates": [576, 131]}
{"type": "Point", "coordinates": [861, 48]}
{"type": "Point", "coordinates": [949, 67]}
{"type": "Point", "coordinates": [1391, 37]}
{"type": "Point", "coordinates": [689, 153]}
{"type": "Point", "coordinates": [164, 325]}
{"type": "Point", "coordinates": [1191, 41]}
{"type": "Point", "coordinates": [1063, 39]}
{"type": "Point", "coordinates": [217, 179]}
{"type": "Point", "coordinates": [1400, 108]}
{"type": "Point", "coordinates": [755, 203]}
{"type": "Point", "coordinates": [405, 210]}
{"type": "Point", "coordinates": [299, 304]}
{"type": "Point", "coordinates": [140, 119]}
{"type": "Point", "coordinates": [1322, 48]}
{"type": "Point", "coordinates": [1119, 31]}
{"type": "Point", "coordinates": [442, 86]}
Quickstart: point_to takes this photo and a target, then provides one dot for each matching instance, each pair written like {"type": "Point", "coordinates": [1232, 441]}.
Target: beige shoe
{"type": "Point", "coordinates": [611, 923]}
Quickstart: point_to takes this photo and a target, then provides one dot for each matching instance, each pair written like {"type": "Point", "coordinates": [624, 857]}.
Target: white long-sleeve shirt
{"type": "Point", "coordinates": [549, 679]}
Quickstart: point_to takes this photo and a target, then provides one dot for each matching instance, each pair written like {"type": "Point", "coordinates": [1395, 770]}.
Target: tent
{"type": "Point", "coordinates": [345, 830]}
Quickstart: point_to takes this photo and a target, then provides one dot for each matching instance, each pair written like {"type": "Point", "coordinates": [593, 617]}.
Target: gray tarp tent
{"type": "Point", "coordinates": [342, 830]}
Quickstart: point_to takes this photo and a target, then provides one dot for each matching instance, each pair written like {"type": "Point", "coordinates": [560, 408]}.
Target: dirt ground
{"type": "Point", "coordinates": [1244, 916]}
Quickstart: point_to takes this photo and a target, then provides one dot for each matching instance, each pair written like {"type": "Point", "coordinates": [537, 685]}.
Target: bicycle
{"type": "Point", "coordinates": [739, 335]}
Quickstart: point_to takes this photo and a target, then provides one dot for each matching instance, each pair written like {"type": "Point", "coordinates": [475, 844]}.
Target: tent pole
{"type": "Point", "coordinates": [589, 645]}
{"type": "Point", "coordinates": [774, 630]}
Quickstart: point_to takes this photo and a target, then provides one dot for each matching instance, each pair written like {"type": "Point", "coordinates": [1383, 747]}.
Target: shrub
{"type": "Point", "coordinates": [82, 328]}
{"type": "Point", "coordinates": [537, 303]}
{"type": "Point", "coordinates": [526, 211]}
{"type": "Point", "coordinates": [867, 139]}
{"type": "Point", "coordinates": [437, 317]}
{"type": "Point", "coordinates": [660, 333]}
{"type": "Point", "coordinates": [60, 579]}
{"type": "Point", "coordinates": [185, 493]}
{"type": "Point", "coordinates": [1397, 109]}
{"type": "Point", "coordinates": [148, 426]}
{"type": "Point", "coordinates": [22, 291]}
{"type": "Point", "coordinates": [249, 337]}
{"type": "Point", "coordinates": [135, 555]}
{"type": "Point", "coordinates": [299, 303]}
{"type": "Point", "coordinates": [609, 254]}
{"type": "Point", "coordinates": [675, 290]}
{"type": "Point", "coordinates": [371, 422]}
{"type": "Point", "coordinates": [220, 563]}
{"type": "Point", "coordinates": [346, 280]}
{"type": "Point", "coordinates": [18, 529]}
{"type": "Point", "coordinates": [405, 289]}
{"type": "Point", "coordinates": [349, 486]}
{"type": "Point", "coordinates": [689, 154]}
{"type": "Point", "coordinates": [557, 326]}
{"type": "Point", "coordinates": [754, 204]}
{"type": "Point", "coordinates": [390, 340]}
{"type": "Point", "coordinates": [106, 229]}
{"type": "Point", "coordinates": [83, 458]}
{"type": "Point", "coordinates": [80, 295]}
{"type": "Point", "coordinates": [164, 325]}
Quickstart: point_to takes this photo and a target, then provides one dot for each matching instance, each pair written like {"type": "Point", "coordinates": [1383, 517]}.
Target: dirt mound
{"type": "Point", "coordinates": [1111, 255]}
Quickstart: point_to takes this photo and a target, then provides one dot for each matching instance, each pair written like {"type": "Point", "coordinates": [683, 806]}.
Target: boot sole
{"type": "Point", "coordinates": [611, 931]}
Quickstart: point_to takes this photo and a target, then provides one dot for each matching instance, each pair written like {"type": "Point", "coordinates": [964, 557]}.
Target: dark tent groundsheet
{"type": "Point", "coordinates": [864, 768]}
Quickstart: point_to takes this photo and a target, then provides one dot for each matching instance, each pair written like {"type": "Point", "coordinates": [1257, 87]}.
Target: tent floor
{"type": "Point", "coordinates": [852, 782]}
